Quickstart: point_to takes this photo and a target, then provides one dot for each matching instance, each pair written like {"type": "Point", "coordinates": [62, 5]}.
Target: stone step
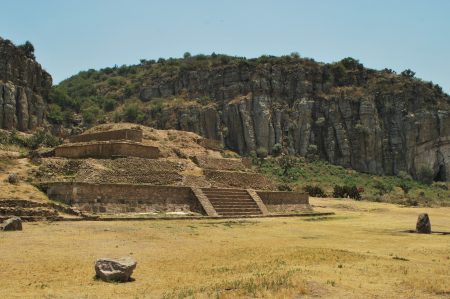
{"type": "Point", "coordinates": [233, 214]}
{"type": "Point", "coordinates": [230, 198]}
{"type": "Point", "coordinates": [254, 210]}
{"type": "Point", "coordinates": [241, 203]}
{"type": "Point", "coordinates": [223, 190]}
{"type": "Point", "coordinates": [226, 194]}
{"type": "Point", "coordinates": [234, 205]}
{"type": "Point", "coordinates": [232, 202]}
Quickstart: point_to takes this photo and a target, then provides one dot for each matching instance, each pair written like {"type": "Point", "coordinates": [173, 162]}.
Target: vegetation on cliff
{"type": "Point", "coordinates": [107, 94]}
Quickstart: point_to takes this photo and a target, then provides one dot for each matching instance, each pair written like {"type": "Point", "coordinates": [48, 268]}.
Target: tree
{"type": "Point", "coordinates": [187, 55]}
{"type": "Point", "coordinates": [28, 49]}
{"type": "Point", "coordinates": [287, 162]}
{"type": "Point", "coordinates": [408, 73]}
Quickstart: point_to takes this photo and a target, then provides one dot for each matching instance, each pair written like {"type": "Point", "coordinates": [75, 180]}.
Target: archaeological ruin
{"type": "Point", "coordinates": [143, 170]}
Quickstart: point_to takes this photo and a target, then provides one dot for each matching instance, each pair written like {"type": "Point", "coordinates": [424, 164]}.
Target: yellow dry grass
{"type": "Point", "coordinates": [361, 252]}
{"type": "Point", "coordinates": [23, 189]}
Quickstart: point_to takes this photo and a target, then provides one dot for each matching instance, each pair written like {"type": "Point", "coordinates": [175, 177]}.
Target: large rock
{"type": "Point", "coordinates": [423, 225]}
{"type": "Point", "coordinates": [13, 223]}
{"type": "Point", "coordinates": [372, 121]}
{"type": "Point", "coordinates": [13, 178]}
{"type": "Point", "coordinates": [24, 86]}
{"type": "Point", "coordinates": [115, 270]}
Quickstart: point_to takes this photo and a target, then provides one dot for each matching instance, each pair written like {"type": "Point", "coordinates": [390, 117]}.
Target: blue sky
{"type": "Point", "coordinates": [70, 36]}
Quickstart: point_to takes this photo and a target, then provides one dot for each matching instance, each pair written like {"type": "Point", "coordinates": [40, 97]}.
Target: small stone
{"type": "Point", "coordinates": [423, 225]}
{"type": "Point", "coordinates": [13, 223]}
{"type": "Point", "coordinates": [13, 178]}
{"type": "Point", "coordinates": [115, 269]}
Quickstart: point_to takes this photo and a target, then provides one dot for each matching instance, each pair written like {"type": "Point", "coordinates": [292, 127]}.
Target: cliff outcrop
{"type": "Point", "coordinates": [372, 121]}
{"type": "Point", "coordinates": [24, 87]}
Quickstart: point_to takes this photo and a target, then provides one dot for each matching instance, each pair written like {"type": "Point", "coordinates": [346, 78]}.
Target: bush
{"type": "Point", "coordinates": [382, 188]}
{"type": "Point", "coordinates": [42, 138]}
{"type": "Point", "coordinates": [284, 187]}
{"type": "Point", "coordinates": [132, 113]}
{"type": "Point", "coordinates": [54, 114]}
{"type": "Point", "coordinates": [109, 105]}
{"type": "Point", "coordinates": [287, 162]}
{"type": "Point", "coordinates": [346, 191]}
{"type": "Point", "coordinates": [277, 148]}
{"type": "Point", "coordinates": [314, 191]}
{"type": "Point", "coordinates": [408, 73]}
{"type": "Point", "coordinates": [262, 152]}
{"type": "Point", "coordinates": [39, 138]}
{"type": "Point", "coordinates": [27, 49]}
{"type": "Point", "coordinates": [425, 175]}
{"type": "Point", "coordinates": [405, 187]}
{"type": "Point", "coordinates": [90, 114]}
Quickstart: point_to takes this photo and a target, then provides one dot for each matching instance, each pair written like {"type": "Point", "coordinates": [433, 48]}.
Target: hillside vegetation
{"type": "Point", "coordinates": [114, 93]}
{"type": "Point", "coordinates": [321, 178]}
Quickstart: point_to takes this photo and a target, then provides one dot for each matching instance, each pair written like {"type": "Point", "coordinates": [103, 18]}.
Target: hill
{"type": "Point", "coordinates": [373, 121]}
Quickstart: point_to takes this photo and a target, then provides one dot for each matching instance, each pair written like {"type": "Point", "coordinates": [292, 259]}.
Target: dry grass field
{"type": "Point", "coordinates": [361, 252]}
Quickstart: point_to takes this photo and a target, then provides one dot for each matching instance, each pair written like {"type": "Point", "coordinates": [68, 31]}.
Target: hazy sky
{"type": "Point", "coordinates": [70, 36]}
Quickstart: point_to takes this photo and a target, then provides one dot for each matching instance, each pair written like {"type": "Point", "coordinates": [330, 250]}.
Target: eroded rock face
{"type": "Point", "coordinates": [24, 86]}
{"type": "Point", "coordinates": [423, 225]}
{"type": "Point", "coordinates": [115, 270]}
{"type": "Point", "coordinates": [373, 122]}
{"type": "Point", "coordinates": [11, 224]}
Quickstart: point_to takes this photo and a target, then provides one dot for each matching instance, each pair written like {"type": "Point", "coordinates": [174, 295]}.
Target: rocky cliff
{"type": "Point", "coordinates": [24, 87]}
{"type": "Point", "coordinates": [372, 121]}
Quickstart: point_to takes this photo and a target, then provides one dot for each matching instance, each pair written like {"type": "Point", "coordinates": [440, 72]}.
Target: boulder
{"type": "Point", "coordinates": [115, 269]}
{"type": "Point", "coordinates": [13, 178]}
{"type": "Point", "coordinates": [13, 223]}
{"type": "Point", "coordinates": [423, 225]}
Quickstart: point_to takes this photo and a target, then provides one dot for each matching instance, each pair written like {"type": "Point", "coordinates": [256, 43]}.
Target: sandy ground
{"type": "Point", "coordinates": [361, 252]}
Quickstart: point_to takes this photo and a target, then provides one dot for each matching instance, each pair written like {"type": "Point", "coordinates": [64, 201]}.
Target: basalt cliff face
{"type": "Point", "coordinates": [374, 122]}
{"type": "Point", "coordinates": [24, 87]}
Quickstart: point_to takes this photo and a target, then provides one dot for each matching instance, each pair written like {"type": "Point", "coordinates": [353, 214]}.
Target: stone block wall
{"type": "Point", "coordinates": [124, 198]}
{"type": "Point", "coordinates": [122, 134]}
{"type": "Point", "coordinates": [219, 163]}
{"type": "Point", "coordinates": [234, 179]}
{"type": "Point", "coordinates": [280, 201]}
{"type": "Point", "coordinates": [104, 149]}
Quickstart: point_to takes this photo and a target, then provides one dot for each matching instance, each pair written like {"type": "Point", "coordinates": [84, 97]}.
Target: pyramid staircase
{"type": "Point", "coordinates": [233, 202]}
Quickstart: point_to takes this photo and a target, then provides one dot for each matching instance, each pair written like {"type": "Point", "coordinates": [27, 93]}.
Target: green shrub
{"type": "Point", "coordinates": [405, 187]}
{"type": "Point", "coordinates": [42, 138]}
{"type": "Point", "coordinates": [54, 114]}
{"type": "Point", "coordinates": [284, 187]}
{"type": "Point", "coordinates": [425, 175]}
{"type": "Point", "coordinates": [262, 152]}
{"type": "Point", "coordinates": [90, 114]}
{"type": "Point", "coordinates": [346, 191]}
{"type": "Point", "coordinates": [27, 49]}
{"type": "Point", "coordinates": [314, 191]}
{"type": "Point", "coordinates": [277, 148]}
{"type": "Point", "coordinates": [109, 105]}
{"type": "Point", "coordinates": [382, 188]}
{"type": "Point", "coordinates": [38, 139]}
{"type": "Point", "coordinates": [287, 162]}
{"type": "Point", "coordinates": [131, 113]}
